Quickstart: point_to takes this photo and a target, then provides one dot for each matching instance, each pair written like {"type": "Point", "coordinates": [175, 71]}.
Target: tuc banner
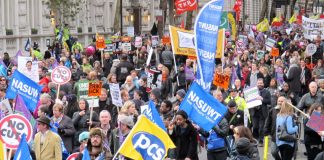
{"type": "Point", "coordinates": [206, 32]}
{"type": "Point", "coordinates": [27, 88]}
{"type": "Point", "coordinates": [312, 28]}
{"type": "Point", "coordinates": [202, 108]}
{"type": "Point", "coordinates": [182, 41]}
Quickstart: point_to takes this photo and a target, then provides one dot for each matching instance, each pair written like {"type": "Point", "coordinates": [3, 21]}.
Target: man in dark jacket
{"type": "Point", "coordinates": [123, 69]}
{"type": "Point", "coordinates": [259, 113]}
{"type": "Point", "coordinates": [107, 64]}
{"type": "Point", "coordinates": [305, 77]}
{"type": "Point", "coordinates": [292, 77]}
{"type": "Point", "coordinates": [270, 126]}
{"type": "Point", "coordinates": [234, 116]}
{"type": "Point", "coordinates": [167, 58]}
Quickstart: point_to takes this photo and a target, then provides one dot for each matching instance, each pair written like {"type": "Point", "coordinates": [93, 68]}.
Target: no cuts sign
{"type": "Point", "coordinates": [61, 75]}
{"type": "Point", "coordinates": [12, 127]}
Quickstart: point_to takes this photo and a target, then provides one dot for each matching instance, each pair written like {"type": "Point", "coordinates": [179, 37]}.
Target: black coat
{"type": "Point", "coordinates": [247, 82]}
{"type": "Point", "coordinates": [238, 120]}
{"type": "Point", "coordinates": [293, 78]}
{"type": "Point", "coordinates": [185, 142]}
{"type": "Point", "coordinates": [265, 94]}
{"type": "Point", "coordinates": [68, 128]}
{"type": "Point", "coordinates": [270, 124]}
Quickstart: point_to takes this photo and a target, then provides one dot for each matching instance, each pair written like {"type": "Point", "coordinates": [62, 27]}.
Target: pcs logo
{"type": "Point", "coordinates": [149, 146]}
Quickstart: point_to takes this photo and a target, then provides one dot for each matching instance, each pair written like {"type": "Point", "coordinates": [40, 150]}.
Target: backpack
{"type": "Point", "coordinates": [214, 141]}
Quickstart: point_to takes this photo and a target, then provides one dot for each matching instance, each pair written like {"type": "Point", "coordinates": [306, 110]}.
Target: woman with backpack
{"type": "Point", "coordinates": [286, 132]}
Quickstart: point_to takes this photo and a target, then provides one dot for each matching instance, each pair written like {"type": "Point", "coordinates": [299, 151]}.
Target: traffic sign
{"type": "Point", "coordinates": [73, 156]}
{"type": "Point", "coordinates": [12, 127]}
{"type": "Point", "coordinates": [61, 75]}
{"type": "Point", "coordinates": [310, 49]}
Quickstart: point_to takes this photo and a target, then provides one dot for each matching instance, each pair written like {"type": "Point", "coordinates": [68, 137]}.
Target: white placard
{"type": "Point", "coordinates": [115, 94]}
{"type": "Point", "coordinates": [33, 73]}
{"type": "Point", "coordinates": [250, 95]}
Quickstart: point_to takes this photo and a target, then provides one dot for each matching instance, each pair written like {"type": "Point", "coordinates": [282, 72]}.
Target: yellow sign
{"type": "Point", "coordinates": [220, 43]}
{"type": "Point", "coordinates": [182, 41]}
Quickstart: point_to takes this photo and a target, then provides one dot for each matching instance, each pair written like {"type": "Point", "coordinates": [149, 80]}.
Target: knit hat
{"type": "Point", "coordinates": [231, 103]}
{"type": "Point", "coordinates": [243, 145]}
{"type": "Point", "coordinates": [83, 136]}
{"type": "Point", "coordinates": [95, 131]}
{"type": "Point", "coordinates": [127, 120]}
{"type": "Point", "coordinates": [181, 93]}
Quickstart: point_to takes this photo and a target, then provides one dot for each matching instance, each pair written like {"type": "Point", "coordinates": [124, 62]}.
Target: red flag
{"type": "Point", "coordinates": [185, 5]}
{"type": "Point", "coordinates": [182, 24]}
{"type": "Point", "coordinates": [237, 9]}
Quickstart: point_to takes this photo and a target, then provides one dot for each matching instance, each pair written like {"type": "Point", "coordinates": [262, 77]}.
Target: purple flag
{"type": "Point", "coordinates": [20, 108]}
{"type": "Point", "coordinates": [15, 59]}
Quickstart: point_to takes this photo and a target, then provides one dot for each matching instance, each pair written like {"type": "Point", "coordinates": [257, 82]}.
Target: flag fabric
{"type": "Point", "coordinates": [182, 41]}
{"type": "Point", "coordinates": [3, 70]}
{"type": "Point", "coordinates": [28, 89]}
{"type": "Point", "coordinates": [27, 45]}
{"type": "Point", "coordinates": [206, 33]}
{"type": "Point", "coordinates": [293, 19]}
{"type": "Point", "coordinates": [3, 151]}
{"type": "Point", "coordinates": [53, 128]}
{"type": "Point", "coordinates": [86, 155]}
{"type": "Point", "coordinates": [185, 5]}
{"type": "Point", "coordinates": [20, 108]}
{"type": "Point", "coordinates": [15, 59]}
{"type": "Point", "coordinates": [202, 108]}
{"type": "Point", "coordinates": [23, 150]}
{"type": "Point", "coordinates": [263, 26]}
{"type": "Point", "coordinates": [224, 21]}
{"type": "Point", "coordinates": [276, 22]}
{"type": "Point", "coordinates": [145, 136]}
{"type": "Point", "coordinates": [152, 114]}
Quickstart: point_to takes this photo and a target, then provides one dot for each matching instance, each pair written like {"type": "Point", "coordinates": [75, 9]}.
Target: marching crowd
{"type": "Point", "coordinates": [291, 79]}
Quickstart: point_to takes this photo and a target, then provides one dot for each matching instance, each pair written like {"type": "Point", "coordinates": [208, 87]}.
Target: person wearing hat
{"type": "Point", "coordinates": [184, 136]}
{"type": "Point", "coordinates": [119, 134]}
{"type": "Point", "coordinates": [95, 146]}
{"type": "Point", "coordinates": [47, 144]}
{"type": "Point", "coordinates": [234, 116]}
{"type": "Point", "coordinates": [83, 140]}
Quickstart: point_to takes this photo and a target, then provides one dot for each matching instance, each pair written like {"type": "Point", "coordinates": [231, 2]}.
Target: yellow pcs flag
{"type": "Point", "coordinates": [263, 26]}
{"type": "Point", "coordinates": [182, 41]}
{"type": "Point", "coordinates": [220, 43]}
{"type": "Point", "coordinates": [292, 19]}
{"type": "Point", "coordinates": [146, 141]}
{"type": "Point", "coordinates": [3, 151]}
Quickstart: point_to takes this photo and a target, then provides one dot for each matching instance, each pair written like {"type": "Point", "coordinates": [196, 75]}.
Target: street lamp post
{"type": "Point", "coordinates": [121, 17]}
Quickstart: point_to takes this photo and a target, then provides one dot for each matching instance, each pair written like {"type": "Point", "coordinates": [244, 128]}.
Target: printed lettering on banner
{"type": "Point", "coordinates": [221, 80]}
{"type": "Point", "coordinates": [115, 94]}
{"type": "Point", "coordinates": [250, 95]}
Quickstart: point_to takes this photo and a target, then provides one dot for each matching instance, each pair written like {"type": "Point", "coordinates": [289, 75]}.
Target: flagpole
{"type": "Point", "coordinates": [9, 156]}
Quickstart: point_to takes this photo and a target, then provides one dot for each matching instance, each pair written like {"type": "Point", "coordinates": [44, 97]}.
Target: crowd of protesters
{"type": "Point", "coordinates": [289, 78]}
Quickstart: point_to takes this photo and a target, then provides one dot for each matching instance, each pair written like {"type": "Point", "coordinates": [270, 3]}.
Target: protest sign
{"type": "Point", "coordinates": [138, 42]}
{"type": "Point", "coordinates": [150, 53]}
{"type": "Point", "coordinates": [28, 89]}
{"type": "Point", "coordinates": [270, 43]}
{"type": "Point", "coordinates": [115, 94]}
{"type": "Point", "coordinates": [150, 77]}
{"type": "Point", "coordinates": [312, 28]}
{"type": "Point", "coordinates": [126, 47]}
{"type": "Point", "coordinates": [126, 39]}
{"type": "Point", "coordinates": [202, 108]}
{"type": "Point", "coordinates": [260, 54]}
{"type": "Point", "coordinates": [166, 40]}
{"type": "Point", "coordinates": [83, 91]}
{"type": "Point", "coordinates": [206, 32]}
{"type": "Point", "coordinates": [274, 52]}
{"type": "Point", "coordinates": [11, 129]}
{"type": "Point", "coordinates": [221, 80]}
{"type": "Point", "coordinates": [220, 43]}
{"type": "Point", "coordinates": [182, 41]}
{"type": "Point", "coordinates": [145, 137]}
{"type": "Point", "coordinates": [130, 31]}
{"type": "Point", "coordinates": [250, 95]}
{"type": "Point", "coordinates": [239, 47]}
{"type": "Point", "coordinates": [152, 114]}
{"type": "Point", "coordinates": [61, 75]}
{"type": "Point", "coordinates": [316, 122]}
{"type": "Point", "coordinates": [73, 156]}
{"type": "Point", "coordinates": [33, 73]}
{"type": "Point", "coordinates": [155, 41]}
{"type": "Point", "coordinates": [100, 42]}
{"type": "Point", "coordinates": [310, 49]}
{"type": "Point", "coordinates": [5, 107]}
{"type": "Point", "coordinates": [95, 89]}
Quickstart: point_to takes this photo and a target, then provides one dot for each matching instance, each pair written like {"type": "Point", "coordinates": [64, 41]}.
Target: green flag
{"type": "Point", "coordinates": [224, 21]}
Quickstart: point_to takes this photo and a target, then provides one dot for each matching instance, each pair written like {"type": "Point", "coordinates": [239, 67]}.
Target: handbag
{"type": "Point", "coordinates": [284, 135]}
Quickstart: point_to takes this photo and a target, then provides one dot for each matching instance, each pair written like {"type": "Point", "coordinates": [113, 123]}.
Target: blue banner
{"type": "Point", "coordinates": [152, 114]}
{"type": "Point", "coordinates": [202, 108]}
{"type": "Point", "coordinates": [26, 88]}
{"type": "Point", "coordinates": [206, 29]}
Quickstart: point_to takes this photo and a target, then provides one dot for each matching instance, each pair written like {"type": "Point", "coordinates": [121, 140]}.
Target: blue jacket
{"type": "Point", "coordinates": [290, 128]}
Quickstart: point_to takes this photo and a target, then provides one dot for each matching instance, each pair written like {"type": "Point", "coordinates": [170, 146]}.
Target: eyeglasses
{"type": "Point", "coordinates": [96, 137]}
{"type": "Point", "coordinates": [3, 79]}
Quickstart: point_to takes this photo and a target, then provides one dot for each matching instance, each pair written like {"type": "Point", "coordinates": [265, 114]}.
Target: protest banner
{"type": "Point", "coordinates": [31, 74]}
{"type": "Point", "coordinates": [166, 40]}
{"type": "Point", "coordinates": [250, 95]}
{"type": "Point", "coordinates": [83, 89]}
{"type": "Point", "coordinates": [150, 77]}
{"type": "Point", "coordinates": [27, 88]}
{"type": "Point", "coordinates": [260, 54]}
{"type": "Point", "coordinates": [185, 5]}
{"type": "Point", "coordinates": [155, 41]}
{"type": "Point", "coordinates": [94, 89]}
{"type": "Point", "coordinates": [126, 47]}
{"type": "Point", "coordinates": [310, 49]}
{"type": "Point", "coordinates": [274, 52]}
{"type": "Point", "coordinates": [220, 43]}
{"type": "Point", "coordinates": [22, 151]}
{"type": "Point", "coordinates": [152, 114]}
{"type": "Point", "coordinates": [12, 127]}
{"type": "Point", "coordinates": [239, 47]}
{"type": "Point", "coordinates": [312, 28]}
{"type": "Point", "coordinates": [73, 156]}
{"type": "Point", "coordinates": [270, 43]}
{"type": "Point", "coordinates": [126, 39]}
{"type": "Point", "coordinates": [202, 108]}
{"type": "Point", "coordinates": [182, 41]}
{"type": "Point", "coordinates": [221, 80]}
{"type": "Point", "coordinates": [206, 32]}
{"type": "Point", "coordinates": [100, 42]}
{"type": "Point", "coordinates": [316, 122]}
{"type": "Point", "coordinates": [138, 42]}
{"type": "Point", "coordinates": [115, 94]}
{"type": "Point", "coordinates": [146, 141]}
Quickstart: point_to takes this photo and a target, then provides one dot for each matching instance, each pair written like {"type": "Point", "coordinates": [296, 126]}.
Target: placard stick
{"type": "Point", "coordinates": [10, 152]}
{"type": "Point", "coordinates": [297, 109]}
{"type": "Point", "coordinates": [91, 112]}
{"type": "Point", "coordinates": [58, 91]}
{"type": "Point", "coordinates": [102, 58]}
